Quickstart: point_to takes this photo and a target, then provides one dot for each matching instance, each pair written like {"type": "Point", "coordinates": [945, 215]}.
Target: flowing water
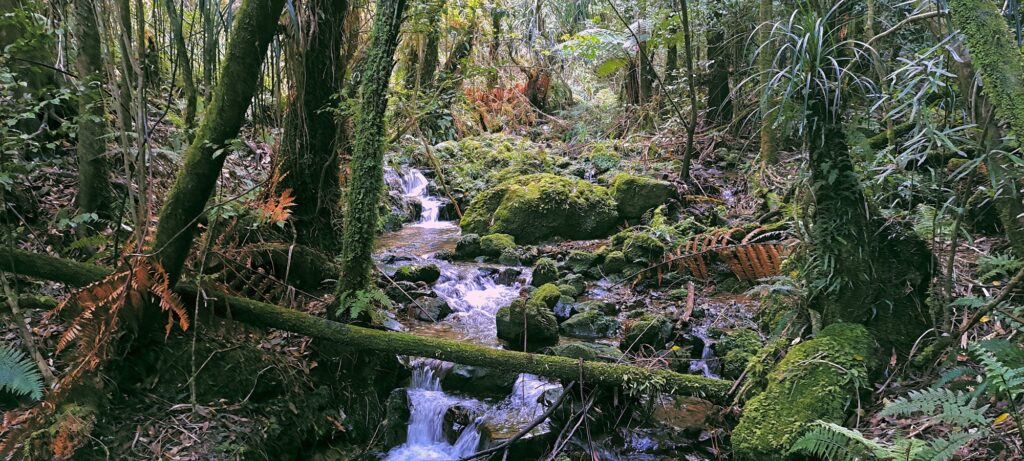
{"type": "Point", "coordinates": [474, 296]}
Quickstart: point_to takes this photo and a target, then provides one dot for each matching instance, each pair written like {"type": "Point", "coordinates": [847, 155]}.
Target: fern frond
{"type": "Point", "coordinates": [999, 375]}
{"type": "Point", "coordinates": [18, 375]}
{"type": "Point", "coordinates": [944, 449]}
{"type": "Point", "coordinates": [942, 405]}
{"type": "Point", "coordinates": [836, 443]}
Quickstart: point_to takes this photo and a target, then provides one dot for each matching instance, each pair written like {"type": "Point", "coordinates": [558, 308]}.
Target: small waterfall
{"type": "Point", "coordinates": [707, 356]}
{"type": "Point", "coordinates": [414, 185]}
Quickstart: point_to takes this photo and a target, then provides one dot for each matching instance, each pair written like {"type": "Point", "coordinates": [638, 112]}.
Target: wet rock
{"type": "Point", "coordinates": [468, 246]}
{"type": "Point", "coordinates": [587, 351]}
{"type": "Point", "coordinates": [530, 319]}
{"type": "Point", "coordinates": [686, 414]}
{"type": "Point", "coordinates": [508, 276]}
{"type": "Point", "coordinates": [531, 446]}
{"type": "Point", "coordinates": [653, 331]}
{"type": "Point", "coordinates": [402, 292]}
{"type": "Point", "coordinates": [604, 307]}
{"type": "Point", "coordinates": [456, 419]}
{"type": "Point", "coordinates": [428, 309]}
{"type": "Point", "coordinates": [427, 273]}
{"type": "Point", "coordinates": [544, 271]}
{"type": "Point", "coordinates": [538, 207]}
{"type": "Point", "coordinates": [488, 271]}
{"type": "Point", "coordinates": [445, 255]}
{"type": "Point", "coordinates": [576, 281]}
{"type": "Point", "coordinates": [589, 325]}
{"type": "Point", "coordinates": [479, 381]}
{"type": "Point", "coordinates": [614, 262]}
{"type": "Point", "coordinates": [568, 291]}
{"type": "Point", "coordinates": [510, 257]}
{"type": "Point", "coordinates": [493, 245]}
{"type": "Point", "coordinates": [635, 195]}
{"type": "Point", "coordinates": [396, 418]}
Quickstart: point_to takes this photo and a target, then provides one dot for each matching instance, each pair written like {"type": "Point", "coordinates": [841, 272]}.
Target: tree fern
{"type": "Point", "coordinates": [18, 375]}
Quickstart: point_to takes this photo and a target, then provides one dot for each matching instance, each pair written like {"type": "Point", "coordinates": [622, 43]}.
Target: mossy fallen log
{"type": "Point", "coordinates": [271, 316]}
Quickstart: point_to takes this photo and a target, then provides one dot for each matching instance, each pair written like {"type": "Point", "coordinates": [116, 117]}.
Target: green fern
{"type": "Point", "coordinates": [364, 301]}
{"type": "Point", "coordinates": [994, 267]}
{"type": "Point", "coordinates": [834, 442]}
{"type": "Point", "coordinates": [18, 375]}
{"type": "Point", "coordinates": [1001, 377]}
{"type": "Point", "coordinates": [942, 405]}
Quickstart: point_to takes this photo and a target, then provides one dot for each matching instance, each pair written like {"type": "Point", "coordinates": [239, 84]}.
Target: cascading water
{"type": "Point", "coordinates": [414, 185]}
{"type": "Point", "coordinates": [475, 298]}
{"type": "Point", "coordinates": [707, 356]}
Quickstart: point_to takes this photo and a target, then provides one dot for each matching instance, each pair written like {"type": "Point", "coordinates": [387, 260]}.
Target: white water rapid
{"type": "Point", "coordinates": [475, 297]}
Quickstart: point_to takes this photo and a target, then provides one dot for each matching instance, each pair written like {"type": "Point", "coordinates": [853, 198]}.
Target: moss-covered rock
{"type": "Point", "coordinates": [614, 262]}
{"type": "Point", "coordinates": [817, 380]}
{"type": "Point", "coordinates": [481, 381]}
{"type": "Point", "coordinates": [544, 271]}
{"type": "Point", "coordinates": [538, 207]}
{"type": "Point", "coordinates": [527, 320]}
{"type": "Point", "coordinates": [579, 261]}
{"type": "Point", "coordinates": [653, 331]}
{"type": "Point", "coordinates": [589, 325]}
{"type": "Point", "coordinates": [547, 295]}
{"type": "Point", "coordinates": [602, 157]}
{"type": "Point", "coordinates": [637, 194]}
{"type": "Point", "coordinates": [427, 273]}
{"type": "Point", "coordinates": [639, 246]}
{"type": "Point", "coordinates": [494, 244]}
{"type": "Point", "coordinates": [735, 349]}
{"type": "Point", "coordinates": [468, 246]}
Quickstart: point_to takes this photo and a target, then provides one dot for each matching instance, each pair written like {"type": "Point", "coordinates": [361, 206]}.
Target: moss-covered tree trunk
{"type": "Point", "coordinates": [367, 181]}
{"type": "Point", "coordinates": [439, 125]}
{"type": "Point", "coordinates": [995, 56]}
{"type": "Point", "coordinates": [184, 62]}
{"type": "Point", "coordinates": [252, 29]}
{"type": "Point", "coordinates": [93, 184]}
{"type": "Point", "coordinates": [764, 63]}
{"type": "Point", "coordinates": [308, 155]}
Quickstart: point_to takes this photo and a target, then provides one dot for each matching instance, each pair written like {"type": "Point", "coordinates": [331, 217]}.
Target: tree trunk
{"type": "Point", "coordinates": [308, 155]}
{"type": "Point", "coordinates": [691, 127]}
{"type": "Point", "coordinates": [254, 26]}
{"type": "Point", "coordinates": [367, 182]}
{"type": "Point", "coordinates": [354, 337]}
{"type": "Point", "coordinates": [447, 90]}
{"type": "Point", "coordinates": [93, 184]}
{"type": "Point", "coordinates": [719, 99]}
{"type": "Point", "coordinates": [185, 62]}
{"type": "Point", "coordinates": [764, 63]}
{"type": "Point", "coordinates": [995, 56]}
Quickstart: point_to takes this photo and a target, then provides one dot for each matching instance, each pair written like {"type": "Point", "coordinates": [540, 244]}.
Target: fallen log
{"type": "Point", "coordinates": [271, 316]}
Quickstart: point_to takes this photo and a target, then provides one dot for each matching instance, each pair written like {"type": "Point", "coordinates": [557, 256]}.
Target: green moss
{"type": "Point", "coordinates": [736, 348]}
{"type": "Point", "coordinates": [428, 273]}
{"type": "Point", "coordinates": [649, 331]}
{"type": "Point", "coordinates": [544, 271]}
{"type": "Point", "coordinates": [602, 157]}
{"type": "Point", "coordinates": [614, 263]}
{"type": "Point", "coordinates": [817, 380]}
{"type": "Point", "coordinates": [640, 246]}
{"type": "Point", "coordinates": [538, 207]}
{"type": "Point", "coordinates": [530, 322]}
{"type": "Point", "coordinates": [636, 194]}
{"type": "Point", "coordinates": [589, 325]}
{"type": "Point", "coordinates": [579, 261]}
{"type": "Point", "coordinates": [494, 244]}
{"type": "Point", "coordinates": [468, 246]}
{"type": "Point", "coordinates": [546, 295]}
{"type": "Point", "coordinates": [587, 351]}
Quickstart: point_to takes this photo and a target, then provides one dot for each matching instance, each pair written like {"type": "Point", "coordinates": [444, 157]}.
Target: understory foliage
{"type": "Point", "coordinates": [18, 375]}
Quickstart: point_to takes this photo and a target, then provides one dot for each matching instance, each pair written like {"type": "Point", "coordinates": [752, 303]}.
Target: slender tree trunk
{"type": "Point", "coordinates": [367, 182]}
{"type": "Point", "coordinates": [997, 59]}
{"type": "Point", "coordinates": [208, 10]}
{"type": "Point", "coordinates": [764, 64]}
{"type": "Point", "coordinates": [124, 14]}
{"type": "Point", "coordinates": [254, 26]}
{"type": "Point", "coordinates": [93, 184]}
{"type": "Point", "coordinates": [719, 99]}
{"type": "Point", "coordinates": [447, 89]}
{"type": "Point", "coordinates": [185, 63]}
{"type": "Point", "coordinates": [308, 155]}
{"type": "Point", "coordinates": [691, 127]}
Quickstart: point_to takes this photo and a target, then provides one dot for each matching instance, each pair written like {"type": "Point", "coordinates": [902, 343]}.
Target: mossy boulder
{"type": "Point", "coordinates": [735, 349]}
{"type": "Point", "coordinates": [579, 261]}
{"type": "Point", "coordinates": [653, 331]}
{"type": "Point", "coordinates": [639, 246]}
{"type": "Point", "coordinates": [494, 245]}
{"type": "Point", "coordinates": [468, 246]}
{"type": "Point", "coordinates": [547, 294]}
{"type": "Point", "coordinates": [637, 194]}
{"type": "Point", "coordinates": [538, 207]}
{"type": "Point", "coordinates": [481, 381]}
{"type": "Point", "coordinates": [614, 262]}
{"type": "Point", "coordinates": [427, 273]}
{"type": "Point", "coordinates": [817, 380]}
{"type": "Point", "coordinates": [544, 271]}
{"type": "Point", "coordinates": [602, 157]}
{"type": "Point", "coordinates": [589, 325]}
{"type": "Point", "coordinates": [529, 320]}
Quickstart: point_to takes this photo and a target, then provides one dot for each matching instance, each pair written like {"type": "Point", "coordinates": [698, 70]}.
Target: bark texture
{"type": "Point", "coordinates": [93, 184]}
